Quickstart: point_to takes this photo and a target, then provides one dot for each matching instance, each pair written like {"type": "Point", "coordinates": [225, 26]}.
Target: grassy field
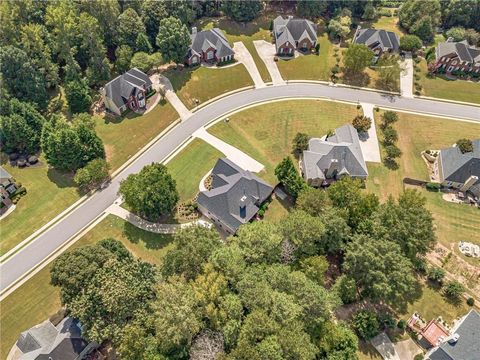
{"type": "Point", "coordinates": [125, 136]}
{"type": "Point", "coordinates": [191, 165]}
{"type": "Point", "coordinates": [265, 132]}
{"type": "Point", "coordinates": [36, 300]}
{"type": "Point", "coordinates": [459, 90]}
{"type": "Point", "coordinates": [202, 84]}
{"type": "Point", "coordinates": [417, 133]}
{"type": "Point", "coordinates": [388, 23]}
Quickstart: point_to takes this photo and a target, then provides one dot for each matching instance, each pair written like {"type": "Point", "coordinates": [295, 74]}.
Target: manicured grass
{"type": "Point", "coordinates": [125, 136]}
{"type": "Point", "coordinates": [439, 87]}
{"type": "Point", "coordinates": [388, 24]}
{"type": "Point", "coordinates": [277, 210]}
{"type": "Point", "coordinates": [203, 83]}
{"type": "Point", "coordinates": [48, 193]}
{"type": "Point", "coordinates": [265, 132]}
{"type": "Point", "coordinates": [310, 66]}
{"type": "Point", "coordinates": [37, 300]}
{"type": "Point", "coordinates": [190, 166]}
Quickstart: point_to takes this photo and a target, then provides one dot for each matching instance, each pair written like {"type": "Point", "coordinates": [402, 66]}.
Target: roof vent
{"type": "Point", "coordinates": [454, 338]}
{"type": "Point", "coordinates": [290, 17]}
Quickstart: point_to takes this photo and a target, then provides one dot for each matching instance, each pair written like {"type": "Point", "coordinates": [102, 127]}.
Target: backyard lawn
{"type": "Point", "coordinates": [459, 90]}
{"type": "Point", "coordinates": [37, 300]}
{"type": "Point", "coordinates": [265, 132]}
{"type": "Point", "coordinates": [202, 83]}
{"type": "Point", "coordinates": [125, 136]}
{"type": "Point", "coordinates": [388, 23]}
{"type": "Point", "coordinates": [190, 166]}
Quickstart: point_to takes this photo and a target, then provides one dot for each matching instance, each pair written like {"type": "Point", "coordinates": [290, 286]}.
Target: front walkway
{"type": "Point", "coordinates": [231, 152]}
{"type": "Point", "coordinates": [267, 53]}
{"type": "Point", "coordinates": [385, 347]}
{"type": "Point", "coordinates": [172, 98]}
{"type": "Point", "coordinates": [243, 55]}
{"type": "Point", "coordinates": [369, 146]}
{"type": "Point", "coordinates": [406, 76]}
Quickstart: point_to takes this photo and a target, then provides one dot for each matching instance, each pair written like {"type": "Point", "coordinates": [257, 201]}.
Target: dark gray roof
{"type": "Point", "coordinates": [342, 149]}
{"type": "Point", "coordinates": [126, 85]}
{"type": "Point", "coordinates": [376, 37]}
{"type": "Point", "coordinates": [202, 40]}
{"type": "Point", "coordinates": [292, 30]}
{"type": "Point", "coordinates": [4, 174]}
{"type": "Point", "coordinates": [464, 51]}
{"type": "Point", "coordinates": [458, 167]}
{"type": "Point", "coordinates": [467, 347]}
{"type": "Point", "coordinates": [232, 189]}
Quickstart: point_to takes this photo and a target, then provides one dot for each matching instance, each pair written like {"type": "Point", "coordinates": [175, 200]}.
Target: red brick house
{"type": "Point", "coordinates": [209, 46]}
{"type": "Point", "coordinates": [293, 34]}
{"type": "Point", "coordinates": [456, 56]}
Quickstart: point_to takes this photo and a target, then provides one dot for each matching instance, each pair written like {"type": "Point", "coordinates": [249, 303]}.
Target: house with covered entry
{"type": "Point", "coordinates": [451, 56]}
{"type": "Point", "coordinates": [209, 46]}
{"type": "Point", "coordinates": [292, 34]}
{"type": "Point", "coordinates": [235, 196]}
{"type": "Point", "coordinates": [127, 91]}
{"type": "Point", "coordinates": [378, 40]}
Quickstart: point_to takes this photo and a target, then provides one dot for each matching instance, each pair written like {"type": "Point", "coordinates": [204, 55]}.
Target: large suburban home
{"type": "Point", "coordinates": [209, 46]}
{"type": "Point", "coordinates": [332, 157]}
{"type": "Point", "coordinates": [46, 341]}
{"type": "Point", "coordinates": [378, 40]}
{"type": "Point", "coordinates": [459, 171]}
{"type": "Point", "coordinates": [292, 34]}
{"type": "Point", "coordinates": [453, 56]}
{"type": "Point", "coordinates": [127, 91]}
{"type": "Point", "coordinates": [463, 343]}
{"type": "Point", "coordinates": [235, 196]}
{"type": "Point", "coordinates": [7, 188]}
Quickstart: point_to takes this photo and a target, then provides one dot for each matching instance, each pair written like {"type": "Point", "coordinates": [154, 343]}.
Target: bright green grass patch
{"type": "Point", "coordinates": [190, 166]}
{"type": "Point", "coordinates": [265, 132]}
{"type": "Point", "coordinates": [389, 24]}
{"type": "Point", "coordinates": [204, 83]}
{"type": "Point", "coordinates": [125, 136]}
{"type": "Point", "coordinates": [459, 90]}
{"type": "Point", "coordinates": [277, 210]}
{"type": "Point", "coordinates": [37, 300]}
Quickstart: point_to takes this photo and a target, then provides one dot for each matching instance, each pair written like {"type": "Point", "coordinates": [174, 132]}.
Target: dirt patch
{"type": "Point", "coordinates": [109, 151]}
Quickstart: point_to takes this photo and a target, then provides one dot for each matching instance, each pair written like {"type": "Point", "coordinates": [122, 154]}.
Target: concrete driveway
{"type": "Point", "coordinates": [407, 349]}
{"type": "Point", "coordinates": [385, 347]}
{"type": "Point", "coordinates": [243, 55]}
{"type": "Point", "coordinates": [369, 144]}
{"type": "Point", "coordinates": [173, 99]}
{"type": "Point", "coordinates": [406, 76]}
{"type": "Point", "coordinates": [267, 53]}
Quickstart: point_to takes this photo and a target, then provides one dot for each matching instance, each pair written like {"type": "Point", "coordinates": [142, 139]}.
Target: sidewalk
{"type": "Point", "coordinates": [406, 76]}
{"type": "Point", "coordinates": [231, 152]}
{"type": "Point", "coordinates": [369, 146]}
{"type": "Point", "coordinates": [267, 53]}
{"type": "Point", "coordinates": [243, 55]}
{"type": "Point", "coordinates": [172, 97]}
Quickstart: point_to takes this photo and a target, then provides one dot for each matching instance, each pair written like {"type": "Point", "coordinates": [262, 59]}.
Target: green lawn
{"type": "Point", "coordinates": [36, 300]}
{"type": "Point", "coordinates": [265, 132]}
{"type": "Point", "coordinates": [190, 166]}
{"type": "Point", "coordinates": [277, 210]}
{"type": "Point", "coordinates": [459, 90]}
{"type": "Point", "coordinates": [125, 136]}
{"type": "Point", "coordinates": [203, 83]}
{"type": "Point", "coordinates": [389, 24]}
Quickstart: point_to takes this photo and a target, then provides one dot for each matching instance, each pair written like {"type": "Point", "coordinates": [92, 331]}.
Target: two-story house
{"type": "Point", "coordinates": [209, 46]}
{"type": "Point", "coordinates": [292, 34]}
{"type": "Point", "coordinates": [453, 56]}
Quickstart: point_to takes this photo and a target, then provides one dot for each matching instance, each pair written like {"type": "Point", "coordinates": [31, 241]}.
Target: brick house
{"type": "Point", "coordinates": [128, 90]}
{"type": "Point", "coordinates": [453, 56]}
{"type": "Point", "coordinates": [378, 40]}
{"type": "Point", "coordinates": [293, 34]}
{"type": "Point", "coordinates": [209, 46]}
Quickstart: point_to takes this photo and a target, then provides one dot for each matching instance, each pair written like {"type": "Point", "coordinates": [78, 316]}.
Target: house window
{"type": "Point", "coordinates": [304, 45]}
{"type": "Point", "coordinates": [210, 55]}
{"type": "Point", "coordinates": [450, 68]}
{"type": "Point", "coordinates": [194, 60]}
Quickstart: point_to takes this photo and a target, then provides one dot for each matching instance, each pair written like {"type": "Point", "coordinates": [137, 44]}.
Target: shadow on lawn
{"type": "Point", "coordinates": [356, 79]}
{"type": "Point", "coordinates": [401, 305]}
{"type": "Point", "coordinates": [151, 240]}
{"type": "Point", "coordinates": [63, 179]}
{"type": "Point", "coordinates": [179, 78]}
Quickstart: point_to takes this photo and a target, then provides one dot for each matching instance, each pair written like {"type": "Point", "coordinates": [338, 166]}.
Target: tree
{"type": "Point", "coordinates": [207, 345]}
{"type": "Point", "coordinates": [300, 143]}
{"type": "Point", "coordinates": [378, 267]}
{"type": "Point", "coordinates": [137, 342]}
{"type": "Point", "coordinates": [370, 13]}
{"type": "Point", "coordinates": [388, 118]}
{"type": "Point", "coordinates": [242, 10]}
{"type": "Point", "coordinates": [106, 12]}
{"type": "Point", "coordinates": [150, 193]}
{"type": "Point", "coordinates": [20, 77]}
{"type": "Point", "coordinates": [304, 232]}
{"type": "Point", "coordinates": [337, 232]}
{"type": "Point", "coordinates": [314, 268]}
{"type": "Point", "coordinates": [92, 175]}
{"type": "Point", "coordinates": [454, 289]}
{"type": "Point", "coordinates": [311, 9]}
{"type": "Point", "coordinates": [173, 39]}
{"type": "Point", "coordinates": [424, 29]}
{"type": "Point", "coordinates": [420, 17]}
{"type": "Point", "coordinates": [289, 177]}
{"type": "Point", "coordinates": [143, 44]}
{"type": "Point", "coordinates": [410, 43]}
{"type": "Point", "coordinates": [129, 26]}
{"type": "Point", "coordinates": [473, 37]}
{"type": "Point", "coordinates": [389, 73]}
{"type": "Point", "coordinates": [362, 123]}
{"type": "Point", "coordinates": [390, 136]}
{"type": "Point", "coordinates": [346, 288]}
{"type": "Point", "coordinates": [460, 13]}
{"type": "Point", "coordinates": [313, 201]}
{"type": "Point", "coordinates": [465, 145]}
{"type": "Point", "coordinates": [152, 12]}
{"type": "Point", "coordinates": [366, 324]}
{"type": "Point", "coordinates": [436, 274]}
{"type": "Point", "coordinates": [124, 55]}
{"type": "Point", "coordinates": [392, 152]}
{"type": "Point", "coordinates": [339, 27]}
{"type": "Point", "coordinates": [145, 62]}
{"type": "Point", "coordinates": [357, 57]}
{"type": "Point", "coordinates": [337, 342]}
{"type": "Point", "coordinates": [182, 10]}
{"type": "Point", "coordinates": [192, 248]}
{"type": "Point", "coordinates": [78, 96]}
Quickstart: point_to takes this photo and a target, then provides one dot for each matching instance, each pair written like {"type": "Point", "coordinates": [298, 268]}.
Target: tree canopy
{"type": "Point", "coordinates": [242, 10]}
{"type": "Point", "coordinates": [357, 57]}
{"type": "Point", "coordinates": [173, 39]}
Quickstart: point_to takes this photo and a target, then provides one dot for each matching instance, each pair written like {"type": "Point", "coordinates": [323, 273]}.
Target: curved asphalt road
{"type": "Point", "coordinates": [25, 260]}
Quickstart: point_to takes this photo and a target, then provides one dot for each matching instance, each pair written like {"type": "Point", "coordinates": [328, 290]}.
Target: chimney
{"type": "Point", "coordinates": [469, 183]}
{"type": "Point", "coordinates": [332, 169]}
{"type": "Point", "coordinates": [243, 207]}
{"type": "Point", "coordinates": [194, 30]}
{"type": "Point", "coordinates": [454, 338]}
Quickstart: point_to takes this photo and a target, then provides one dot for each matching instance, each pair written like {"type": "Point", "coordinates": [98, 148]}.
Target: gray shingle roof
{"type": "Point", "coordinates": [458, 167]}
{"type": "Point", "coordinates": [342, 150]}
{"type": "Point", "coordinates": [232, 189]}
{"type": "Point", "coordinates": [468, 345]}
{"type": "Point", "coordinates": [4, 174]}
{"type": "Point", "coordinates": [126, 85]}
{"type": "Point", "coordinates": [464, 51]}
{"type": "Point", "coordinates": [376, 37]}
{"type": "Point", "coordinates": [202, 40]}
{"type": "Point", "coordinates": [293, 30]}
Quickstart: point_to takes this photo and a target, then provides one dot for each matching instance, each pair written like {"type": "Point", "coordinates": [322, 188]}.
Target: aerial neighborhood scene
{"type": "Point", "coordinates": [240, 179]}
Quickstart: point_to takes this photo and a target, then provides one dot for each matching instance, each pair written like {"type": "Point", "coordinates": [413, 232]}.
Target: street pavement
{"type": "Point", "coordinates": [26, 259]}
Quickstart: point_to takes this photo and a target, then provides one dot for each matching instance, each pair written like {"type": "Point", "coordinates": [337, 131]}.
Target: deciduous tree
{"type": "Point", "coordinates": [129, 26]}
{"type": "Point", "coordinates": [78, 96]}
{"type": "Point", "coordinates": [242, 10]}
{"type": "Point", "coordinates": [92, 175]}
{"type": "Point", "coordinates": [289, 177]}
{"type": "Point", "coordinates": [357, 58]}
{"type": "Point", "coordinates": [173, 39]}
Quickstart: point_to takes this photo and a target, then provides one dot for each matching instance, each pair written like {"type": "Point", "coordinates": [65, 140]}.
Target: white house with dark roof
{"type": "Point", "coordinates": [333, 157]}
{"type": "Point", "coordinates": [209, 46]}
{"type": "Point", "coordinates": [453, 56]}
{"type": "Point", "coordinates": [459, 171]}
{"type": "Point", "coordinates": [127, 91]}
{"type": "Point", "coordinates": [291, 34]}
{"type": "Point", "coordinates": [378, 40]}
{"type": "Point", "coordinates": [235, 196]}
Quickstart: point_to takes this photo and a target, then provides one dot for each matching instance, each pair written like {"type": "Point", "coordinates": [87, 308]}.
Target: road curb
{"type": "Point", "coordinates": [446, 100]}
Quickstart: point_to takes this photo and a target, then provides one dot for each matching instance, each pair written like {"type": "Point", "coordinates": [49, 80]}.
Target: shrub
{"type": "Point", "coordinates": [389, 117]}
{"type": "Point", "coordinates": [361, 123]}
{"type": "Point", "coordinates": [390, 135]}
{"type": "Point", "coordinates": [436, 274]}
{"type": "Point", "coordinates": [418, 357]}
{"type": "Point", "coordinates": [454, 289]}
{"type": "Point", "coordinates": [470, 301]}
{"type": "Point", "coordinates": [317, 48]}
{"type": "Point", "coordinates": [365, 323]}
{"type": "Point", "coordinates": [392, 151]}
{"type": "Point", "coordinates": [420, 265]}
{"type": "Point", "coordinates": [431, 186]}
{"type": "Point", "coordinates": [465, 145]}
{"type": "Point", "coordinates": [346, 288]}
{"type": "Point", "coordinates": [402, 324]}
{"type": "Point", "coordinates": [387, 321]}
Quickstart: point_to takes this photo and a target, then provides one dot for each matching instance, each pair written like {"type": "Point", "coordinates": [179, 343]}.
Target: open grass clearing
{"type": "Point", "coordinates": [265, 132]}
{"type": "Point", "coordinates": [386, 23]}
{"type": "Point", "coordinates": [37, 300]}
